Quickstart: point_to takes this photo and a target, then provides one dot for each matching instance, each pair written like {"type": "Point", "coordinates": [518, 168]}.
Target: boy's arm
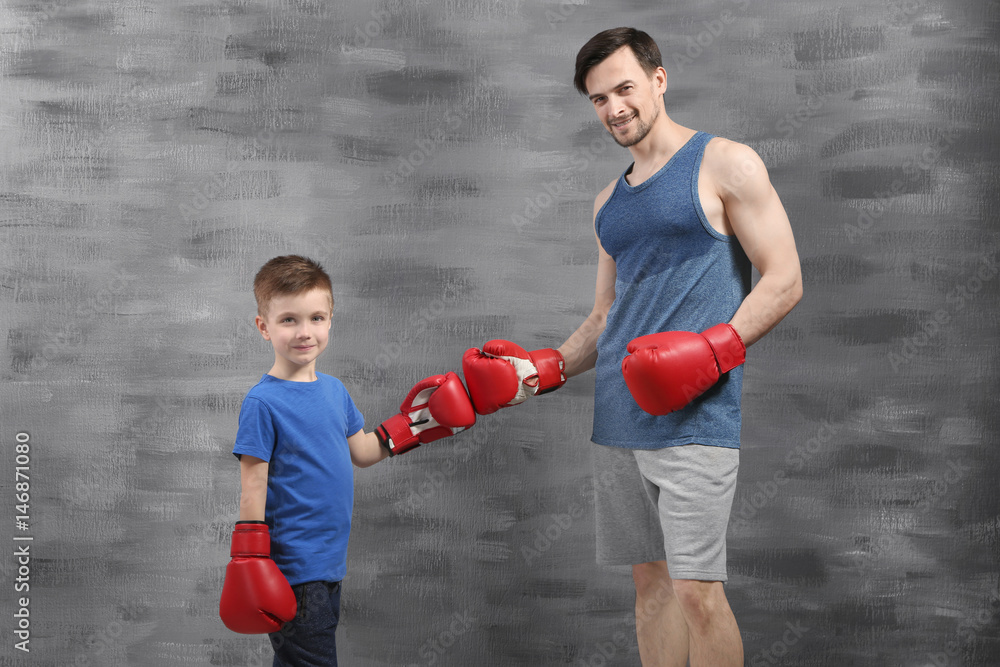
{"type": "Point", "coordinates": [256, 597]}
{"type": "Point", "coordinates": [365, 449]}
{"type": "Point", "coordinates": [253, 488]}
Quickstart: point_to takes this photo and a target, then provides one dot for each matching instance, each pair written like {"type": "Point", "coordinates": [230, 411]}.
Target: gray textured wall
{"type": "Point", "coordinates": [435, 158]}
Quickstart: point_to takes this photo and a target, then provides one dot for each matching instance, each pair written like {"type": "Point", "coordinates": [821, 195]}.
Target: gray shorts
{"type": "Point", "coordinates": [667, 504]}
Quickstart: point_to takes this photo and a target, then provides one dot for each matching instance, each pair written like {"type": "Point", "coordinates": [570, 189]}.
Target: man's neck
{"type": "Point", "coordinates": [664, 139]}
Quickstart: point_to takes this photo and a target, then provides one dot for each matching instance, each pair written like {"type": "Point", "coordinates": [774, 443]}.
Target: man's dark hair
{"type": "Point", "coordinates": [603, 44]}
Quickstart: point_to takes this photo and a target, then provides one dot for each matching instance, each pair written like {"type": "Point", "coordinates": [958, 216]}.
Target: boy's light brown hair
{"type": "Point", "coordinates": [288, 275]}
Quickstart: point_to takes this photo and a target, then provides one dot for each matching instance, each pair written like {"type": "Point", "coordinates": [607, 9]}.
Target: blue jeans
{"type": "Point", "coordinates": [309, 639]}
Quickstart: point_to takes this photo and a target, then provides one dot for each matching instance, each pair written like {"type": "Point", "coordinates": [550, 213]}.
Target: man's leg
{"type": "Point", "coordinates": [659, 622]}
{"type": "Point", "coordinates": [692, 487]}
{"type": "Point", "coordinates": [713, 636]}
{"type": "Point", "coordinates": [675, 616]}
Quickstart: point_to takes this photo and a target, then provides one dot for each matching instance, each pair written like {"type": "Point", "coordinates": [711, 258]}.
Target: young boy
{"type": "Point", "coordinates": [299, 432]}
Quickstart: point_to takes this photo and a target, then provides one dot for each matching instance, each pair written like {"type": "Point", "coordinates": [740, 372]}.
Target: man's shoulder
{"type": "Point", "coordinates": [604, 195]}
{"type": "Point", "coordinates": [723, 151]}
{"type": "Point", "coordinates": [732, 166]}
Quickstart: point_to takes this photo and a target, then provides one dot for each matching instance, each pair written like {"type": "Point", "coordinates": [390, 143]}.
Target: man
{"type": "Point", "coordinates": [673, 312]}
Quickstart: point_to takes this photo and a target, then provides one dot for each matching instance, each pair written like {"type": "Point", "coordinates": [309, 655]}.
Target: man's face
{"type": "Point", "coordinates": [298, 326]}
{"type": "Point", "coordinates": [626, 99]}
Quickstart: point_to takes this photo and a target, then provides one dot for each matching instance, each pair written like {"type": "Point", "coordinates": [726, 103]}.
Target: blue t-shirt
{"type": "Point", "coordinates": [675, 272]}
{"type": "Point", "coordinates": [301, 429]}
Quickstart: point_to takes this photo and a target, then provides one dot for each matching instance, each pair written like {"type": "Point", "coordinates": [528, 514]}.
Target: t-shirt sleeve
{"type": "Point", "coordinates": [352, 416]}
{"type": "Point", "coordinates": [256, 434]}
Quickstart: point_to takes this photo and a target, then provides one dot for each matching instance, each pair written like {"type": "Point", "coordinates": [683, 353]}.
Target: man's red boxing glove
{"type": "Point", "coordinates": [436, 407]}
{"type": "Point", "coordinates": [499, 375]}
{"type": "Point", "coordinates": [666, 371]}
{"type": "Point", "coordinates": [256, 597]}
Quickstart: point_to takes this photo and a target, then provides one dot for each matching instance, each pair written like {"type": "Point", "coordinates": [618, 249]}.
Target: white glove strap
{"type": "Point", "coordinates": [421, 411]}
{"type": "Point", "coordinates": [525, 371]}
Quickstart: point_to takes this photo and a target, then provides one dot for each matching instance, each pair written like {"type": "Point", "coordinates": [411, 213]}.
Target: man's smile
{"type": "Point", "coordinates": [623, 122]}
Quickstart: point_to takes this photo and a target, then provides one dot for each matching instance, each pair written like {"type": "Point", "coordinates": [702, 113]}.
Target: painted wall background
{"type": "Point", "coordinates": [435, 158]}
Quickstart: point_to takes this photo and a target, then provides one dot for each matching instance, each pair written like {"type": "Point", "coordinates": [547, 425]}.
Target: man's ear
{"type": "Point", "coordinates": [262, 327]}
{"type": "Point", "coordinates": [660, 72]}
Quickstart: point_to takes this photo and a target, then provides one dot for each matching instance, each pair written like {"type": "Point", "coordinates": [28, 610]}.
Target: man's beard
{"type": "Point", "coordinates": [641, 130]}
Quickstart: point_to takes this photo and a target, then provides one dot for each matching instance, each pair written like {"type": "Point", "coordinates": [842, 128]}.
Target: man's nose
{"type": "Point", "coordinates": [616, 106]}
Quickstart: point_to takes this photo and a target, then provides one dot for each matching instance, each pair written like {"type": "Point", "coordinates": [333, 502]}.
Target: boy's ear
{"type": "Point", "coordinates": [262, 327]}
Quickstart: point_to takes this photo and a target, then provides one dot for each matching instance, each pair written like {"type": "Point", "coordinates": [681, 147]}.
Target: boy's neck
{"type": "Point", "coordinates": [293, 373]}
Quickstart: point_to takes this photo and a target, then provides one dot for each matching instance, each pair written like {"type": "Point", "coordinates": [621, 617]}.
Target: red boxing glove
{"type": "Point", "coordinates": [497, 374]}
{"type": "Point", "coordinates": [256, 597]}
{"type": "Point", "coordinates": [436, 407]}
{"type": "Point", "coordinates": [666, 371]}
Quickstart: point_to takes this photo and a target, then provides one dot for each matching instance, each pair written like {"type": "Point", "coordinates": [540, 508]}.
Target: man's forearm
{"type": "Point", "coordinates": [580, 349]}
{"type": "Point", "coordinates": [769, 301]}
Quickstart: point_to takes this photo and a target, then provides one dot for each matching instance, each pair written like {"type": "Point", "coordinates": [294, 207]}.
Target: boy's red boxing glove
{"type": "Point", "coordinates": [497, 374]}
{"type": "Point", "coordinates": [256, 597]}
{"type": "Point", "coordinates": [666, 371]}
{"type": "Point", "coordinates": [436, 407]}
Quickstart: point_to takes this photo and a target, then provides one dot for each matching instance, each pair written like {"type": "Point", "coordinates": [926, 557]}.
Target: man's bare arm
{"type": "Point", "coordinates": [580, 349]}
{"type": "Point", "coordinates": [761, 225]}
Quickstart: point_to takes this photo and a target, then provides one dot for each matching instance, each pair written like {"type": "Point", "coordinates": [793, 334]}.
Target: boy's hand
{"type": "Point", "coordinates": [436, 407]}
{"type": "Point", "coordinates": [256, 597]}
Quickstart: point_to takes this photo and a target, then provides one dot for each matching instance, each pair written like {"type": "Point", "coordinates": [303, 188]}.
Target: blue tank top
{"type": "Point", "coordinates": [674, 273]}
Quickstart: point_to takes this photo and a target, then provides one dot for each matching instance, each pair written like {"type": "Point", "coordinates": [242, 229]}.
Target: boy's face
{"type": "Point", "coordinates": [298, 327]}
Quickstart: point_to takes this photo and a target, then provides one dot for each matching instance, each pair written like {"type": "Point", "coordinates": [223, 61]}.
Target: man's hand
{"type": "Point", "coordinates": [503, 374]}
{"type": "Point", "coordinates": [666, 371]}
